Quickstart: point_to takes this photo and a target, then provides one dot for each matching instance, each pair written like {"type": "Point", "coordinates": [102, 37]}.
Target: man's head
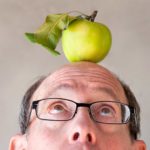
{"type": "Point", "coordinates": [86, 83]}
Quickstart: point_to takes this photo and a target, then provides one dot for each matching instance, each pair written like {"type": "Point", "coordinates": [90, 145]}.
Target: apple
{"type": "Point", "coordinates": [85, 40]}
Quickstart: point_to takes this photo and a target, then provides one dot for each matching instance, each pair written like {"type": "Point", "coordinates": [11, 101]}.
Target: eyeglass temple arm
{"type": "Point", "coordinates": [133, 115]}
{"type": "Point", "coordinates": [34, 104]}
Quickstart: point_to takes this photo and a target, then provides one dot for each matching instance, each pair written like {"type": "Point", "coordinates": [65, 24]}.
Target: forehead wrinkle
{"type": "Point", "coordinates": [108, 91]}
{"type": "Point", "coordinates": [66, 85]}
{"type": "Point", "coordinates": [91, 73]}
{"type": "Point", "coordinates": [73, 84]}
{"type": "Point", "coordinates": [47, 89]}
{"type": "Point", "coordinates": [102, 76]}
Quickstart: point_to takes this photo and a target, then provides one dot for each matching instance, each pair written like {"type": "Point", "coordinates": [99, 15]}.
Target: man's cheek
{"type": "Point", "coordinates": [112, 129]}
{"type": "Point", "coordinates": [53, 125]}
{"type": "Point", "coordinates": [43, 133]}
{"type": "Point", "coordinates": [47, 128]}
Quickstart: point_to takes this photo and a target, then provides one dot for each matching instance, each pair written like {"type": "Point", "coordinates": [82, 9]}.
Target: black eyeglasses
{"type": "Point", "coordinates": [59, 109]}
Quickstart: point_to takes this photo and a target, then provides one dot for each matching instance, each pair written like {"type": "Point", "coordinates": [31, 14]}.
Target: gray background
{"type": "Point", "coordinates": [21, 62]}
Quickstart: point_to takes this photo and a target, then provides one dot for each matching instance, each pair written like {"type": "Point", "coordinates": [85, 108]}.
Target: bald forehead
{"type": "Point", "coordinates": [82, 69]}
{"type": "Point", "coordinates": [80, 75]}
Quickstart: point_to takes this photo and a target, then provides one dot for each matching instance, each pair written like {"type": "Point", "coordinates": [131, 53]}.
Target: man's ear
{"type": "Point", "coordinates": [139, 145]}
{"type": "Point", "coordinates": [18, 142]}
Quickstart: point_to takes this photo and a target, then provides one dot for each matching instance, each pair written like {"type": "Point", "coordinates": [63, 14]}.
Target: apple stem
{"type": "Point", "coordinates": [92, 17]}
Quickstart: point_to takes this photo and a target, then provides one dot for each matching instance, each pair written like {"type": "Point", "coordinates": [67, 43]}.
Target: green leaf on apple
{"type": "Point", "coordinates": [50, 32]}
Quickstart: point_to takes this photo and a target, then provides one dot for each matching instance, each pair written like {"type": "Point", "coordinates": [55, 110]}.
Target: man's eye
{"type": "Point", "coordinates": [106, 112]}
{"type": "Point", "coordinates": [56, 109]}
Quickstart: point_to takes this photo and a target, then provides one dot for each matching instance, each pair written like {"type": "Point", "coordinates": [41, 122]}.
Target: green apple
{"type": "Point", "coordinates": [85, 40]}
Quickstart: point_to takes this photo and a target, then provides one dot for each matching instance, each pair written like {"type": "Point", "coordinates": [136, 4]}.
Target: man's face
{"type": "Point", "coordinates": [82, 83]}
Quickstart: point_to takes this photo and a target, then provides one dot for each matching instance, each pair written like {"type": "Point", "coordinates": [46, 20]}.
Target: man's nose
{"type": "Point", "coordinates": [82, 128]}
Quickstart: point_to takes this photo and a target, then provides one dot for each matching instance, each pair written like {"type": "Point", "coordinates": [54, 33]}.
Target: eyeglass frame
{"type": "Point", "coordinates": [88, 105]}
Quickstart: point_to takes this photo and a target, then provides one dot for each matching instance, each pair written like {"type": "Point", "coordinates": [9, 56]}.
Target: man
{"type": "Point", "coordinates": [81, 106]}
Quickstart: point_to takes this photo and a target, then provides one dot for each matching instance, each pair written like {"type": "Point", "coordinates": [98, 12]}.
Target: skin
{"type": "Point", "coordinates": [82, 82]}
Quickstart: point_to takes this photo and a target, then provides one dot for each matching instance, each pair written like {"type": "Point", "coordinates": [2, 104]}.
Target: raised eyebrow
{"type": "Point", "coordinates": [108, 91]}
{"type": "Point", "coordinates": [61, 86]}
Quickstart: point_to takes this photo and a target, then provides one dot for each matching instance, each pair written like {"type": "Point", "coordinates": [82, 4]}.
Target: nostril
{"type": "Point", "coordinates": [76, 136]}
{"type": "Point", "coordinates": [89, 137]}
